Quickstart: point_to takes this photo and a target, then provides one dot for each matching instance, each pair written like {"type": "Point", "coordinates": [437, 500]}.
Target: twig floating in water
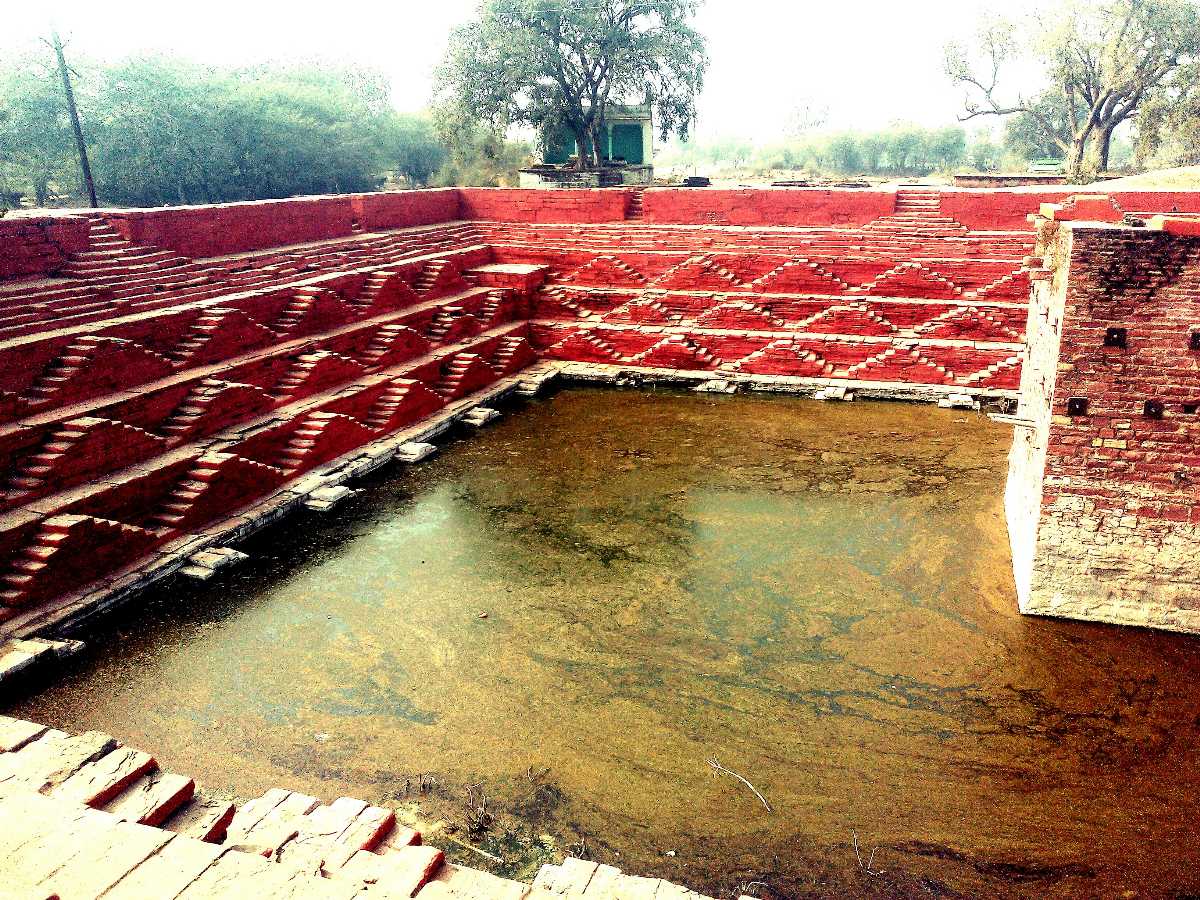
{"type": "Point", "coordinates": [717, 767]}
{"type": "Point", "coordinates": [473, 849]}
{"type": "Point", "coordinates": [870, 862]}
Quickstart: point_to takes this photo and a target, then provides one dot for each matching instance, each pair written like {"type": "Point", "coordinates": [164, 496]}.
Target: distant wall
{"type": "Point", "coordinates": [401, 209]}
{"type": "Point", "coordinates": [1008, 210]}
{"type": "Point", "coordinates": [1154, 201]}
{"type": "Point", "coordinates": [236, 227]}
{"type": "Point", "coordinates": [200, 231]}
{"type": "Point", "coordinates": [557, 205]}
{"type": "Point", "coordinates": [766, 206]}
{"type": "Point", "coordinates": [999, 210]}
{"type": "Point", "coordinates": [32, 247]}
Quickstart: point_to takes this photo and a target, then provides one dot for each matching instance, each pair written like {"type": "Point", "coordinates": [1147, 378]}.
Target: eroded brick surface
{"type": "Point", "coordinates": [166, 374]}
{"type": "Point", "coordinates": [1104, 513]}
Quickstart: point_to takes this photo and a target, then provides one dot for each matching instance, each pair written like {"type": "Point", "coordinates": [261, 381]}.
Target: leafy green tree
{"type": "Point", "coordinates": [984, 154]}
{"type": "Point", "coordinates": [1168, 125]}
{"type": "Point", "coordinates": [1040, 133]}
{"type": "Point", "coordinates": [151, 138]}
{"type": "Point", "coordinates": [36, 149]}
{"type": "Point", "coordinates": [550, 65]}
{"type": "Point", "coordinates": [482, 158]}
{"type": "Point", "coordinates": [168, 132]}
{"type": "Point", "coordinates": [948, 148]}
{"type": "Point", "coordinates": [1100, 61]}
{"type": "Point", "coordinates": [844, 153]}
{"type": "Point", "coordinates": [415, 147]}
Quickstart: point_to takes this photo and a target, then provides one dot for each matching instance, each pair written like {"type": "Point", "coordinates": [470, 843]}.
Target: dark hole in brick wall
{"type": "Point", "coordinates": [1077, 406]}
{"type": "Point", "coordinates": [1190, 408]}
{"type": "Point", "coordinates": [1153, 409]}
{"type": "Point", "coordinates": [1194, 340]}
{"type": "Point", "coordinates": [1115, 337]}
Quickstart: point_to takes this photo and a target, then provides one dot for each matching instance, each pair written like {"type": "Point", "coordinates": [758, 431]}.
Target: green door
{"type": "Point", "coordinates": [560, 148]}
{"type": "Point", "coordinates": [627, 143]}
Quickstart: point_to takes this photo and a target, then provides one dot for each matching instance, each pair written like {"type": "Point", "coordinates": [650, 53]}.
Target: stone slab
{"type": "Point", "coordinates": [152, 798]}
{"type": "Point", "coordinates": [16, 733]}
{"type": "Point", "coordinates": [101, 780]}
{"type": "Point", "coordinates": [101, 862]}
{"type": "Point", "coordinates": [167, 872]}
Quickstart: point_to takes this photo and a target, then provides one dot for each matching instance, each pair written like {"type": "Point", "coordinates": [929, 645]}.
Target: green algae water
{"type": "Point", "coordinates": [572, 612]}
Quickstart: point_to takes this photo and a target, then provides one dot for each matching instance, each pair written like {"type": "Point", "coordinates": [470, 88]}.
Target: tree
{"type": "Point", "coordinates": [415, 147]}
{"type": "Point", "coordinates": [983, 153]}
{"type": "Point", "coordinates": [36, 150]}
{"type": "Point", "coordinates": [169, 132]}
{"type": "Point", "coordinates": [64, 73]}
{"type": "Point", "coordinates": [481, 158]}
{"type": "Point", "coordinates": [1041, 133]}
{"type": "Point", "coordinates": [1100, 62]}
{"type": "Point", "coordinates": [551, 64]}
{"type": "Point", "coordinates": [844, 153]}
{"type": "Point", "coordinates": [1168, 125]}
{"type": "Point", "coordinates": [948, 148]}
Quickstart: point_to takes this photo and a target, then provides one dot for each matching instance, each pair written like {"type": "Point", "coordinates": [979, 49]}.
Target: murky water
{"type": "Point", "coordinates": [817, 596]}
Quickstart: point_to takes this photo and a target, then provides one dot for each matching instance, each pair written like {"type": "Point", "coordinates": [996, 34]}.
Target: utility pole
{"type": "Point", "coordinates": [65, 72]}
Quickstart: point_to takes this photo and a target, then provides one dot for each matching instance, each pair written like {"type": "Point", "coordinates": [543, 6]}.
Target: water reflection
{"type": "Point", "coordinates": [817, 595]}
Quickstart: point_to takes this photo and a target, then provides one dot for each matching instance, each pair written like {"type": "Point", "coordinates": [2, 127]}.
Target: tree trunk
{"type": "Point", "coordinates": [581, 147]}
{"type": "Point", "coordinates": [1075, 159]}
{"type": "Point", "coordinates": [64, 73]}
{"type": "Point", "coordinates": [595, 135]}
{"type": "Point", "coordinates": [1101, 144]}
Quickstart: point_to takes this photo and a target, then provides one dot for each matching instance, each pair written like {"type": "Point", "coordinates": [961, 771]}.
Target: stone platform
{"type": "Point", "coordinates": [82, 817]}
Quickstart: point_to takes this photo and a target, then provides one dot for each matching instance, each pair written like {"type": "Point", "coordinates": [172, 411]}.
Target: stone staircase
{"type": "Point", "coordinates": [373, 288]}
{"type": "Point", "coordinates": [489, 311]}
{"type": "Point", "coordinates": [914, 201]}
{"type": "Point", "coordinates": [303, 440]}
{"type": "Point", "coordinates": [917, 215]}
{"type": "Point", "coordinates": [83, 817]}
{"type": "Point", "coordinates": [449, 385]}
{"type": "Point", "coordinates": [56, 540]}
{"type": "Point", "coordinates": [382, 342]}
{"type": "Point", "coordinates": [199, 334]}
{"type": "Point", "coordinates": [34, 468]}
{"type": "Point", "coordinates": [385, 406]}
{"type": "Point", "coordinates": [110, 257]}
{"type": "Point", "coordinates": [185, 416]}
{"type": "Point", "coordinates": [62, 369]}
{"type": "Point", "coordinates": [172, 512]}
{"type": "Point", "coordinates": [443, 320]}
{"type": "Point", "coordinates": [429, 277]}
{"type": "Point", "coordinates": [635, 208]}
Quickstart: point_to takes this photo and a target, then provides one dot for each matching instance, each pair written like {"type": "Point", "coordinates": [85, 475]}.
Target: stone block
{"type": "Point", "coordinates": [415, 452]}
{"type": "Point", "coordinates": [326, 498]}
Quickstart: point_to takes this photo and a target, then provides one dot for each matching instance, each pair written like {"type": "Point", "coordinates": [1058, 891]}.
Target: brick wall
{"type": "Point", "coordinates": [403, 209]}
{"type": "Point", "coordinates": [236, 227]}
{"type": "Point", "coordinates": [37, 247]}
{"type": "Point", "coordinates": [146, 395]}
{"type": "Point", "coordinates": [1107, 528]}
{"type": "Point", "coordinates": [523, 205]}
{"type": "Point", "coordinates": [766, 206]}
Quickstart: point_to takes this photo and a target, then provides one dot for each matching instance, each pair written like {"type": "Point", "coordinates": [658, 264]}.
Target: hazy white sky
{"type": "Point", "coordinates": [871, 63]}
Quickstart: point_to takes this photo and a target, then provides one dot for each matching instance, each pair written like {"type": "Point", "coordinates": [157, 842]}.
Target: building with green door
{"type": "Point", "coordinates": [627, 153]}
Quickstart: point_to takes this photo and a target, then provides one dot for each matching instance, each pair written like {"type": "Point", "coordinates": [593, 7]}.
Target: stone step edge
{"type": "Point", "coordinates": [572, 878]}
{"type": "Point", "coordinates": [69, 614]}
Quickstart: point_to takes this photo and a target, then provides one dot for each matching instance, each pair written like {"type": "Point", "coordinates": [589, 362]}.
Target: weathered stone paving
{"type": "Point", "coordinates": [83, 817]}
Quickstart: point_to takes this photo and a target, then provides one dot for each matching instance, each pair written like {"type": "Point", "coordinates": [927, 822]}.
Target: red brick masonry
{"type": "Point", "coordinates": [164, 370]}
{"type": "Point", "coordinates": [1104, 484]}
